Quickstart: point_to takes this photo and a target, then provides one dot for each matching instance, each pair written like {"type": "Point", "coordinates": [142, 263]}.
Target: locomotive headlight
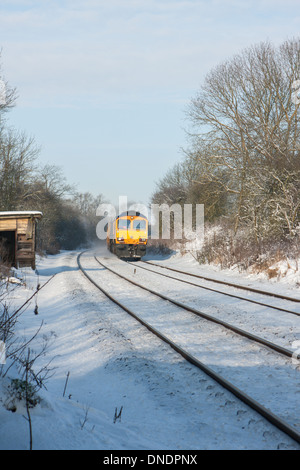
{"type": "Point", "coordinates": [142, 239]}
{"type": "Point", "coordinates": [120, 239]}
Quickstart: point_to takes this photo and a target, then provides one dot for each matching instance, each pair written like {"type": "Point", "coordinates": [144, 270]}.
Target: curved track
{"type": "Point", "coordinates": [254, 404]}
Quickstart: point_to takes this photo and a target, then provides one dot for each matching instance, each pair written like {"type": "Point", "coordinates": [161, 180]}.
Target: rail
{"type": "Point", "coordinates": [252, 403]}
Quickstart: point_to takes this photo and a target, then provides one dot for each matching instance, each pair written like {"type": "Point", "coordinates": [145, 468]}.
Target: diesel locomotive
{"type": "Point", "coordinates": [127, 235]}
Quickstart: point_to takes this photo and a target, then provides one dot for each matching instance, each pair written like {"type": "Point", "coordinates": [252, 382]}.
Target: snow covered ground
{"type": "Point", "coordinates": [115, 364]}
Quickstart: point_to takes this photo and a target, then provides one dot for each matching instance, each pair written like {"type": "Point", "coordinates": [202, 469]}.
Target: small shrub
{"type": "Point", "coordinates": [20, 390]}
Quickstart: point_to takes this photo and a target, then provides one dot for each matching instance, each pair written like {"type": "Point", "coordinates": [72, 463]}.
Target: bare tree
{"type": "Point", "coordinates": [25, 185]}
{"type": "Point", "coordinates": [247, 125]}
{"type": "Point", "coordinates": [8, 95]}
{"type": "Point", "coordinates": [172, 188]}
{"type": "Point", "coordinates": [18, 154]}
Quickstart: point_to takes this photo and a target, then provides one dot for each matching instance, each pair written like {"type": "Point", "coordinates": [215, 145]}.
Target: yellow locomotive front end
{"type": "Point", "coordinates": [128, 235]}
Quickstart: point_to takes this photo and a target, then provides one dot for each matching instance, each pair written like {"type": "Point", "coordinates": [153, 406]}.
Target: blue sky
{"type": "Point", "coordinates": [103, 86]}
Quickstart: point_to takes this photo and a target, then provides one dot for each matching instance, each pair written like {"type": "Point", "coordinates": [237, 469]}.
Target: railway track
{"type": "Point", "coordinates": [254, 404]}
{"type": "Point", "coordinates": [257, 291]}
{"type": "Point", "coordinates": [235, 329]}
{"type": "Point", "coordinates": [231, 284]}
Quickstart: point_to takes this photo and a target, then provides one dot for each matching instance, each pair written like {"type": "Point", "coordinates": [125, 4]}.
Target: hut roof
{"type": "Point", "coordinates": [20, 214]}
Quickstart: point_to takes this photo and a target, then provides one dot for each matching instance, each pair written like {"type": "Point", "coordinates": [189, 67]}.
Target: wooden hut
{"type": "Point", "coordinates": [18, 237]}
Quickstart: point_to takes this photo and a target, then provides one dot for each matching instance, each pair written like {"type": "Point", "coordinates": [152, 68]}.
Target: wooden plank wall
{"type": "Point", "coordinates": [8, 224]}
{"type": "Point", "coordinates": [24, 226]}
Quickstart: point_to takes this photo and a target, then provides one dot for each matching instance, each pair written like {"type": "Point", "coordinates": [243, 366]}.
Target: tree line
{"type": "Point", "coordinates": [69, 218]}
{"type": "Point", "coordinates": [242, 159]}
